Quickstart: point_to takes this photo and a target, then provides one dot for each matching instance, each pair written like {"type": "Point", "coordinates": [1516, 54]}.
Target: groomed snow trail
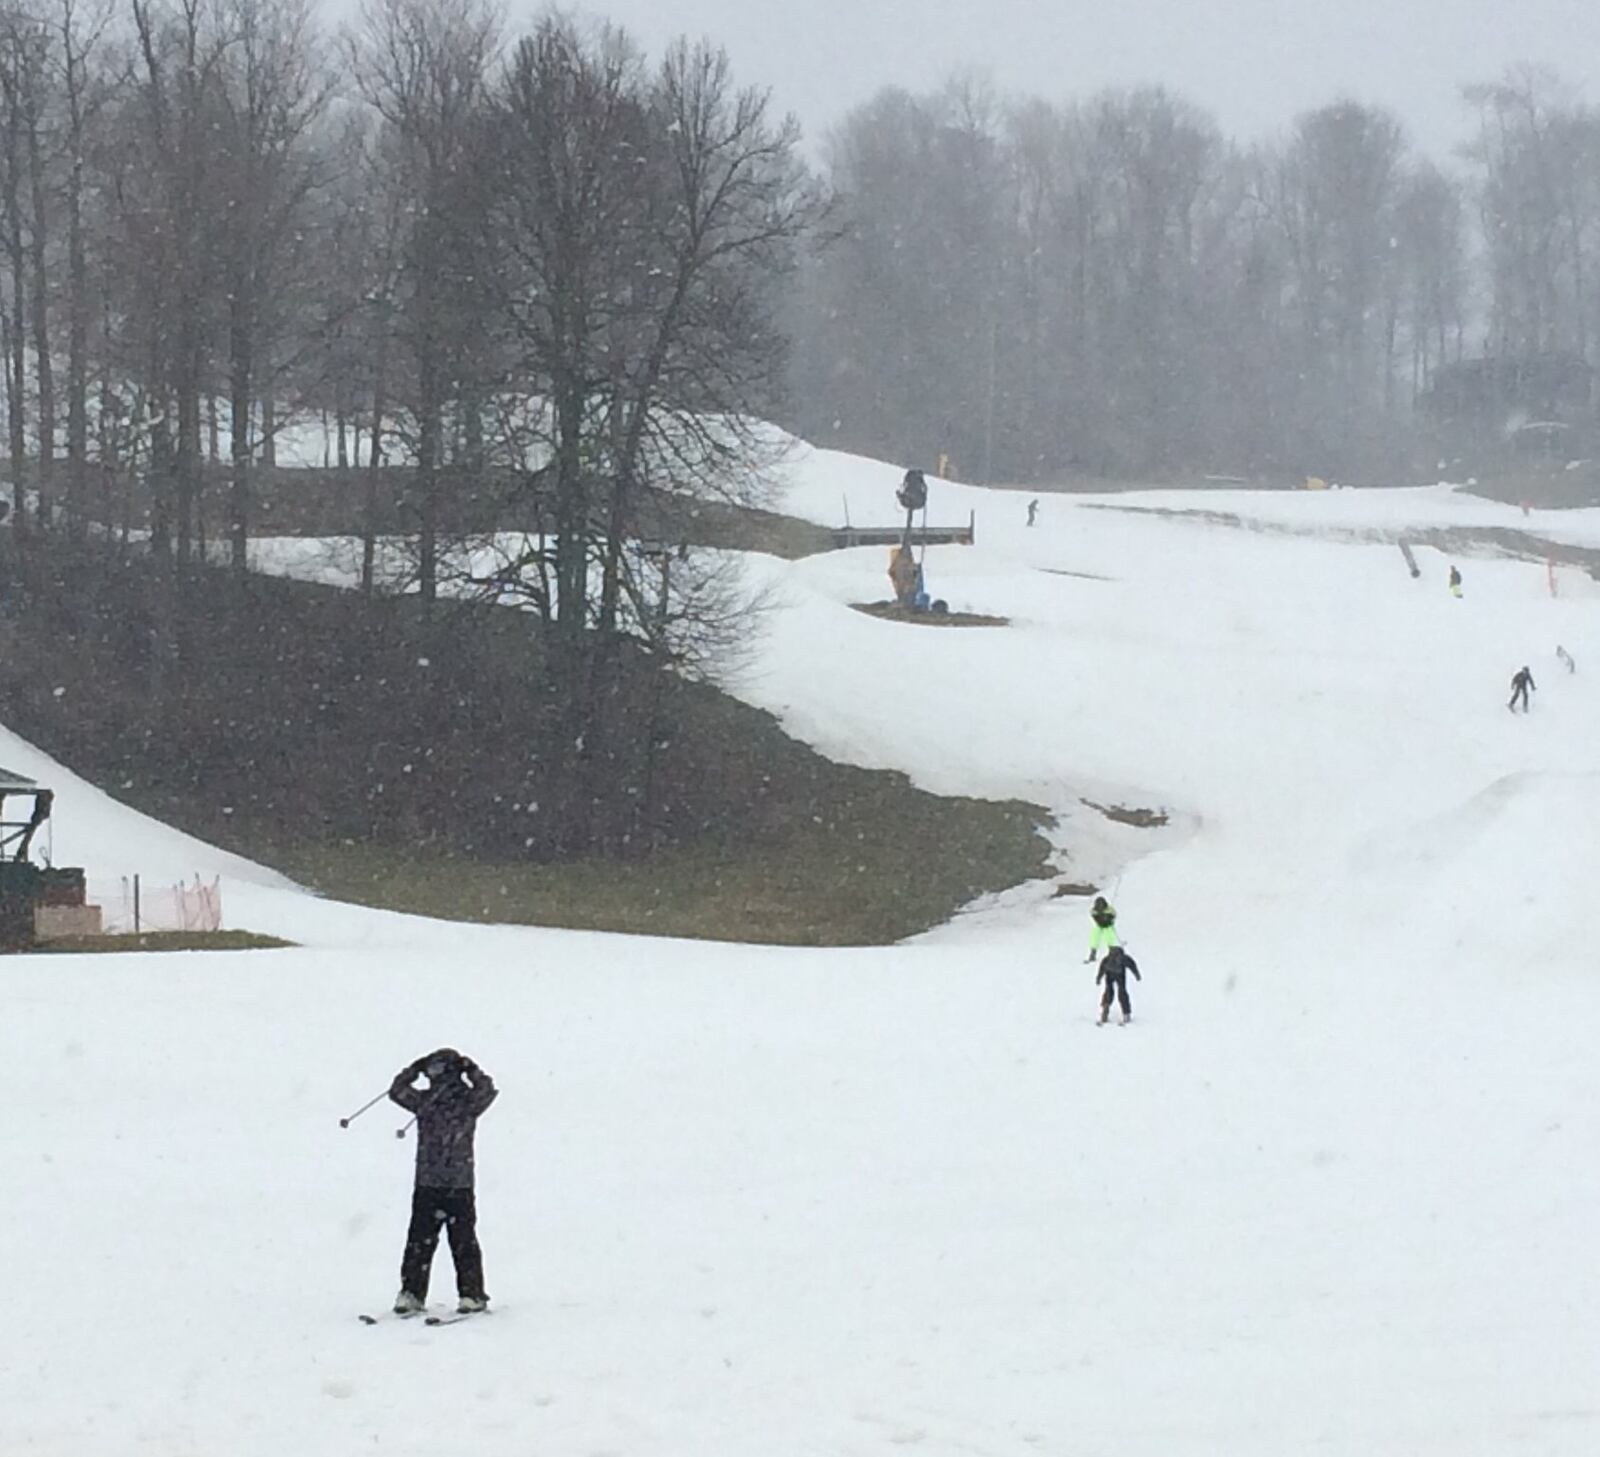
{"type": "Point", "coordinates": [1333, 1191]}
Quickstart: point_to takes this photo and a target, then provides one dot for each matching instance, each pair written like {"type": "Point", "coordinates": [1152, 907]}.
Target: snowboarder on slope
{"type": "Point", "coordinates": [1103, 931]}
{"type": "Point", "coordinates": [1114, 973]}
{"type": "Point", "coordinates": [1521, 682]}
{"type": "Point", "coordinates": [1566, 659]}
{"type": "Point", "coordinates": [459, 1092]}
{"type": "Point", "coordinates": [1455, 581]}
{"type": "Point", "coordinates": [1033, 510]}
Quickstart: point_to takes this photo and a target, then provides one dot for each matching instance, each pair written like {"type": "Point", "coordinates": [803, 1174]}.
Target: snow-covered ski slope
{"type": "Point", "coordinates": [1334, 1191]}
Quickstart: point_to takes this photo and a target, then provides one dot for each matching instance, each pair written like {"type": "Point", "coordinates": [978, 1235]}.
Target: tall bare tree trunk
{"type": "Point", "coordinates": [240, 394]}
{"type": "Point", "coordinates": [77, 285]}
{"type": "Point", "coordinates": [16, 417]}
{"type": "Point", "coordinates": [17, 348]}
{"type": "Point", "coordinates": [188, 442]}
{"type": "Point", "coordinates": [429, 428]}
{"type": "Point", "coordinates": [369, 514]}
{"type": "Point", "coordinates": [269, 428]}
{"type": "Point", "coordinates": [41, 313]}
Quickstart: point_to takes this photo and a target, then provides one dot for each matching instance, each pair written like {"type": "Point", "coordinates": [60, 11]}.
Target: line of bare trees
{"type": "Point", "coordinates": [1112, 286]}
{"type": "Point", "coordinates": [538, 269]}
{"type": "Point", "coordinates": [533, 265]}
{"type": "Point", "coordinates": [537, 272]}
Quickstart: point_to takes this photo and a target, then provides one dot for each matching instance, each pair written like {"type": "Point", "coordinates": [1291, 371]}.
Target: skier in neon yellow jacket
{"type": "Point", "coordinates": [1103, 930]}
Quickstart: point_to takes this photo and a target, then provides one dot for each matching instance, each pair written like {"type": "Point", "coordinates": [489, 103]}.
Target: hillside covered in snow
{"type": "Point", "coordinates": [1333, 1190]}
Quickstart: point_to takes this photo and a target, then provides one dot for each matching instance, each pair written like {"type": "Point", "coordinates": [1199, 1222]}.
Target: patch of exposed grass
{"type": "Point", "coordinates": [1144, 819]}
{"type": "Point", "coordinates": [890, 864]}
{"type": "Point", "coordinates": [894, 612]}
{"type": "Point", "coordinates": [167, 941]}
{"type": "Point", "coordinates": [297, 751]}
{"type": "Point", "coordinates": [1078, 888]}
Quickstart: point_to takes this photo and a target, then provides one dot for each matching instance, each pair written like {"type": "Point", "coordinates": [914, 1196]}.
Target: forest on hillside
{"type": "Point", "coordinates": [215, 218]}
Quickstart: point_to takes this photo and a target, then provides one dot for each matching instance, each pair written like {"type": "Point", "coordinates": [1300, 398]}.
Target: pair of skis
{"type": "Point", "coordinates": [454, 1318]}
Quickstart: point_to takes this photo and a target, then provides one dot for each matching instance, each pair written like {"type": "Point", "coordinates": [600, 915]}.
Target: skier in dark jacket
{"type": "Point", "coordinates": [913, 492]}
{"type": "Point", "coordinates": [458, 1093]}
{"type": "Point", "coordinates": [1114, 973]}
{"type": "Point", "coordinates": [1521, 682]}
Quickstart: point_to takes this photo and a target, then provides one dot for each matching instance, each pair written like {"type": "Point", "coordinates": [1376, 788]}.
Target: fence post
{"type": "Point", "coordinates": [135, 902]}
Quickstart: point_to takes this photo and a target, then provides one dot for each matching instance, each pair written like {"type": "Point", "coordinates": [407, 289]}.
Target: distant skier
{"type": "Point", "coordinates": [1114, 973]}
{"type": "Point", "coordinates": [913, 495]}
{"type": "Point", "coordinates": [1521, 682]}
{"type": "Point", "coordinates": [1566, 659]}
{"type": "Point", "coordinates": [1033, 510]}
{"type": "Point", "coordinates": [1455, 581]}
{"type": "Point", "coordinates": [913, 492]}
{"type": "Point", "coordinates": [1103, 931]}
{"type": "Point", "coordinates": [905, 576]}
{"type": "Point", "coordinates": [459, 1092]}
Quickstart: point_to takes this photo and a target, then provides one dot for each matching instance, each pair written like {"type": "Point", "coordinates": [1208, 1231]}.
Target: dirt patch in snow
{"type": "Point", "coordinates": [1144, 819]}
{"type": "Point", "coordinates": [893, 612]}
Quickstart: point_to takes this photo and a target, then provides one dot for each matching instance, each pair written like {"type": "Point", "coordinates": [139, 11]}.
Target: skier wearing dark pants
{"type": "Point", "coordinates": [458, 1093]}
{"type": "Point", "coordinates": [1521, 682]}
{"type": "Point", "coordinates": [1114, 973]}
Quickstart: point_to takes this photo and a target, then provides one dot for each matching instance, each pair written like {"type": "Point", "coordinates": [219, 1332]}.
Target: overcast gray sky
{"type": "Point", "coordinates": [1252, 63]}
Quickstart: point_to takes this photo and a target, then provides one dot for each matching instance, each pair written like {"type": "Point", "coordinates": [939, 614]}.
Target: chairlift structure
{"type": "Point", "coordinates": [912, 495]}
{"type": "Point", "coordinates": [38, 899]}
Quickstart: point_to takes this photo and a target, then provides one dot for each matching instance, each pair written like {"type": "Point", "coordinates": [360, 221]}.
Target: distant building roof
{"type": "Point", "coordinates": [15, 783]}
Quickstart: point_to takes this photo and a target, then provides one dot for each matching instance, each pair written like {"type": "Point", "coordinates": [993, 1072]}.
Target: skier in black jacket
{"type": "Point", "coordinates": [1521, 682]}
{"type": "Point", "coordinates": [1114, 973]}
{"type": "Point", "coordinates": [459, 1092]}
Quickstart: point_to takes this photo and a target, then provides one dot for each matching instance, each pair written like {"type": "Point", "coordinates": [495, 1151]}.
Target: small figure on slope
{"type": "Point", "coordinates": [1103, 930]}
{"type": "Point", "coordinates": [459, 1092]}
{"type": "Point", "coordinates": [1033, 510]}
{"type": "Point", "coordinates": [905, 576]}
{"type": "Point", "coordinates": [1566, 659]}
{"type": "Point", "coordinates": [913, 492]}
{"type": "Point", "coordinates": [1521, 682]}
{"type": "Point", "coordinates": [1114, 973]}
{"type": "Point", "coordinates": [1455, 581]}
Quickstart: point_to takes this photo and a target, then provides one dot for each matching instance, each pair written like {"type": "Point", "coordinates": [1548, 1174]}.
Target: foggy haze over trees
{"type": "Point", "coordinates": [1110, 286]}
{"type": "Point", "coordinates": [219, 216]}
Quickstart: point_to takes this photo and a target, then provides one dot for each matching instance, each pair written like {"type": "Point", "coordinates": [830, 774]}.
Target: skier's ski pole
{"type": "Point", "coordinates": [401, 1132]}
{"type": "Point", "coordinates": [346, 1122]}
